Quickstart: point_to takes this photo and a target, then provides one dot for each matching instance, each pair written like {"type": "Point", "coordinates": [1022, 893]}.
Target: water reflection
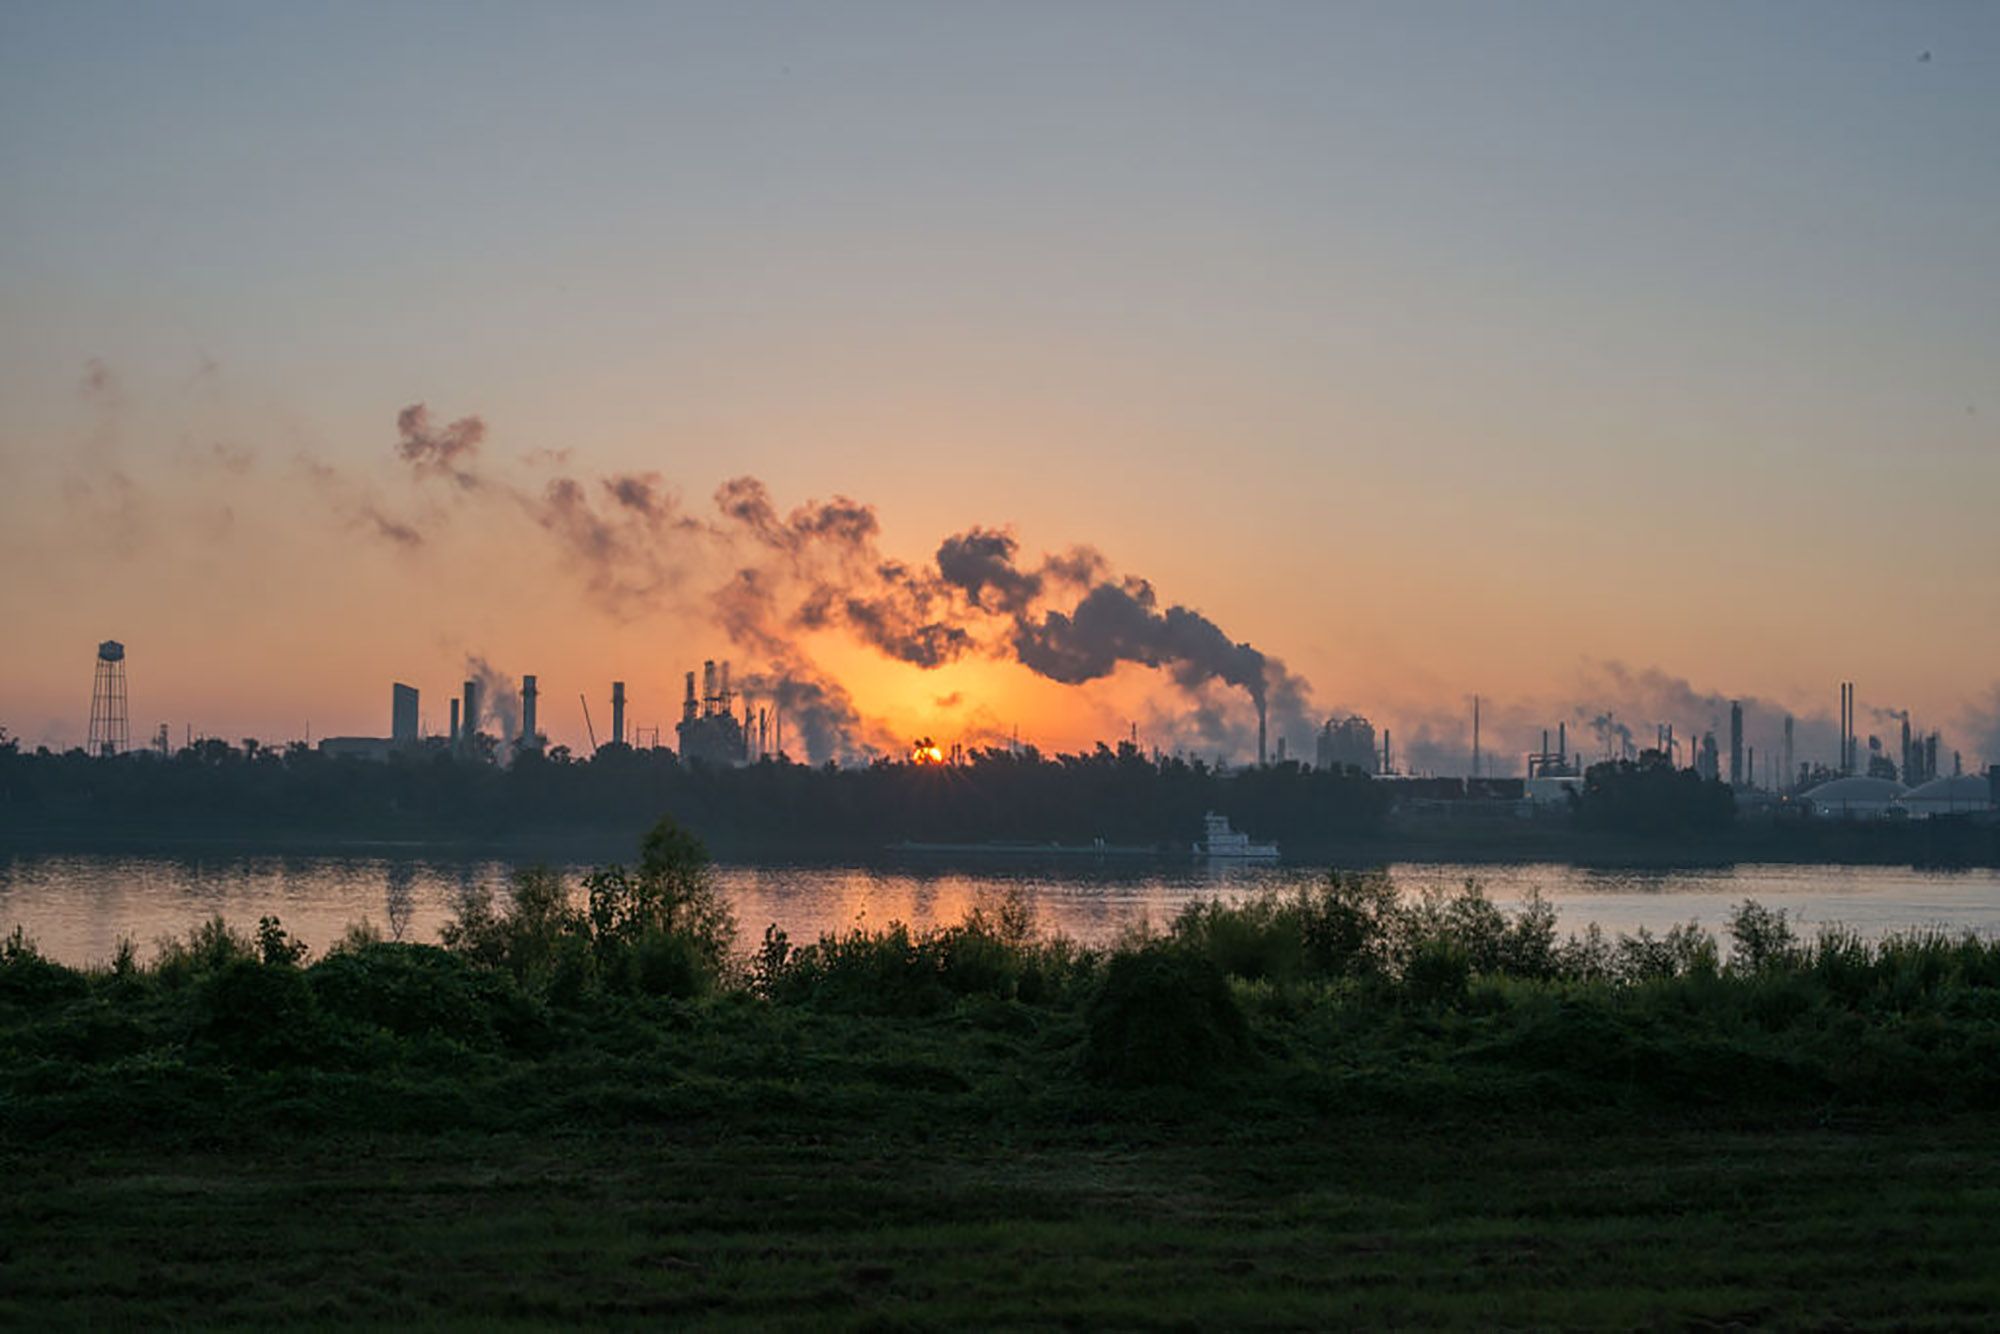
{"type": "Point", "coordinates": [78, 906]}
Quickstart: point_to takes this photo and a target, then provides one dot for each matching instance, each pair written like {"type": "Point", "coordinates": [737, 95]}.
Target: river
{"type": "Point", "coordinates": [76, 907]}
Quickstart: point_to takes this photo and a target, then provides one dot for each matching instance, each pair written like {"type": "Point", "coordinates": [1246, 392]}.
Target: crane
{"type": "Point", "coordinates": [586, 723]}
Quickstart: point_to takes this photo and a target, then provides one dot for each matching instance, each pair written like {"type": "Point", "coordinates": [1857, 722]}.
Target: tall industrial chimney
{"type": "Point", "coordinates": [690, 710]}
{"type": "Point", "coordinates": [454, 722]}
{"type": "Point", "coordinates": [530, 738]}
{"type": "Point", "coordinates": [617, 713]}
{"type": "Point", "coordinates": [403, 714]}
{"type": "Point", "coordinates": [1263, 757]}
{"type": "Point", "coordinates": [1735, 744]}
{"type": "Point", "coordinates": [1475, 736]}
{"type": "Point", "coordinates": [469, 715]}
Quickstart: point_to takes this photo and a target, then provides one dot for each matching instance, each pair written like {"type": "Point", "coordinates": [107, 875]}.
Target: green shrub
{"type": "Point", "coordinates": [28, 979]}
{"type": "Point", "coordinates": [1163, 1014]}
{"type": "Point", "coordinates": [1438, 972]}
{"type": "Point", "coordinates": [206, 949]}
{"type": "Point", "coordinates": [275, 946]}
{"type": "Point", "coordinates": [258, 1014]}
{"type": "Point", "coordinates": [671, 963]}
{"type": "Point", "coordinates": [1762, 937]}
{"type": "Point", "coordinates": [421, 991]}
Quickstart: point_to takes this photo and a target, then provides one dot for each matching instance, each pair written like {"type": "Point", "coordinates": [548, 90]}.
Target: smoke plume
{"type": "Point", "coordinates": [499, 701]}
{"type": "Point", "coordinates": [817, 568]}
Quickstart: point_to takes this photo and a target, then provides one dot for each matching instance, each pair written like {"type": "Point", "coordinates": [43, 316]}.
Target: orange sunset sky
{"type": "Point", "coordinates": [1607, 360]}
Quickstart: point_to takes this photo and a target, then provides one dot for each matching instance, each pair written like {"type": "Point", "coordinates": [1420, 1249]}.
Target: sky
{"type": "Point", "coordinates": [1595, 359]}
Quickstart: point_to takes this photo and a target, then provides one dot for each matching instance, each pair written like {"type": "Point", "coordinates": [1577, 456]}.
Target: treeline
{"type": "Point", "coordinates": [1121, 796]}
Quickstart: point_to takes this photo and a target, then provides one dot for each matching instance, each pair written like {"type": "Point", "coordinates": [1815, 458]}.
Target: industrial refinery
{"type": "Point", "coordinates": [1867, 777]}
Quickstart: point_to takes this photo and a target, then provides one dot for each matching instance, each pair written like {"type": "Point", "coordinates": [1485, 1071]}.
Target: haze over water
{"type": "Point", "coordinates": [78, 906]}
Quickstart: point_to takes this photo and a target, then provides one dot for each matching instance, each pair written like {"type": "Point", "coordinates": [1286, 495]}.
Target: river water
{"type": "Point", "coordinates": [76, 907]}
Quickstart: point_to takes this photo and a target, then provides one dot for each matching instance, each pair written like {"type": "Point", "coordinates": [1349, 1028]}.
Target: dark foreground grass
{"type": "Point", "coordinates": [1343, 1223]}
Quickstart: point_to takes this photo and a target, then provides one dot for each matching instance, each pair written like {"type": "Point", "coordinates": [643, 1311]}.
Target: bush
{"type": "Point", "coordinates": [258, 1014]}
{"type": "Point", "coordinates": [1162, 1015]}
{"type": "Point", "coordinates": [26, 978]}
{"type": "Point", "coordinates": [207, 949]}
{"type": "Point", "coordinates": [671, 963]}
{"type": "Point", "coordinates": [1439, 972]}
{"type": "Point", "coordinates": [423, 991]}
{"type": "Point", "coordinates": [1762, 938]}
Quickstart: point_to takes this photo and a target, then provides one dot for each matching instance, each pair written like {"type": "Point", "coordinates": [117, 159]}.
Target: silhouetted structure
{"type": "Point", "coordinates": [709, 729]}
{"type": "Point", "coordinates": [403, 714]}
{"type": "Point", "coordinates": [110, 728]}
{"type": "Point", "coordinates": [468, 729]}
{"type": "Point", "coordinates": [1347, 743]}
{"type": "Point", "coordinates": [1735, 744]}
{"type": "Point", "coordinates": [1557, 763]}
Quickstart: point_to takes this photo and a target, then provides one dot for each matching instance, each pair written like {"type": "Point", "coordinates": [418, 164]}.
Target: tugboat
{"type": "Point", "coordinates": [1223, 843]}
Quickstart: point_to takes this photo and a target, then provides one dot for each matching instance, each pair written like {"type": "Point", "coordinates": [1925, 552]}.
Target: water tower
{"type": "Point", "coordinates": [110, 729]}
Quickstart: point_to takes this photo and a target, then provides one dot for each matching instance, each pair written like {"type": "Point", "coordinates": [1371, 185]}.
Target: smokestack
{"type": "Point", "coordinates": [1735, 744]}
{"type": "Point", "coordinates": [1475, 736]}
{"type": "Point", "coordinates": [1785, 778]}
{"type": "Point", "coordinates": [454, 721]}
{"type": "Point", "coordinates": [1842, 764]}
{"type": "Point", "coordinates": [403, 714]}
{"type": "Point", "coordinates": [726, 698]}
{"type": "Point", "coordinates": [1562, 744]}
{"type": "Point", "coordinates": [617, 713]}
{"type": "Point", "coordinates": [708, 687]}
{"type": "Point", "coordinates": [469, 716]}
{"type": "Point", "coordinates": [529, 738]}
{"type": "Point", "coordinates": [1262, 757]}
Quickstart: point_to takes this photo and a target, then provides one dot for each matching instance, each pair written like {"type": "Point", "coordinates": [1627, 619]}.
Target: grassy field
{"type": "Point", "coordinates": [1343, 1108]}
{"type": "Point", "coordinates": [1566, 1223]}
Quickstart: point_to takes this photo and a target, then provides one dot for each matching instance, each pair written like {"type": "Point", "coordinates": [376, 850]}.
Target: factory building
{"type": "Point", "coordinates": [1347, 743]}
{"type": "Point", "coordinates": [709, 729]}
{"type": "Point", "coordinates": [1855, 797]}
{"type": "Point", "coordinates": [403, 714]}
{"type": "Point", "coordinates": [1956, 794]}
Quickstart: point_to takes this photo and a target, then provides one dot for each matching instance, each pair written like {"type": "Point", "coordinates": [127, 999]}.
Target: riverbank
{"type": "Point", "coordinates": [1348, 1106]}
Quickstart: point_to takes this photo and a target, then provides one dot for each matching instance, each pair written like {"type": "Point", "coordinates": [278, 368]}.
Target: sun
{"type": "Point", "coordinates": [926, 751]}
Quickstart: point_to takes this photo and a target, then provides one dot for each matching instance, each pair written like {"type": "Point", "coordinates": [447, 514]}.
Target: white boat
{"type": "Point", "coordinates": [1223, 843]}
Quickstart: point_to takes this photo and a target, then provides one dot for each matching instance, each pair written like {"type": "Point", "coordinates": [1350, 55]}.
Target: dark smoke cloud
{"type": "Point", "coordinates": [839, 524]}
{"type": "Point", "coordinates": [440, 451]}
{"type": "Point", "coordinates": [818, 716]}
{"type": "Point", "coordinates": [622, 549]}
{"type": "Point", "coordinates": [980, 564]}
{"type": "Point", "coordinates": [395, 530]}
{"type": "Point", "coordinates": [1613, 737]}
{"type": "Point", "coordinates": [817, 567]}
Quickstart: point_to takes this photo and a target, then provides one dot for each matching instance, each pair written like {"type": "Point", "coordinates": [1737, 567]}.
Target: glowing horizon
{"type": "Point", "coordinates": [1432, 353]}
